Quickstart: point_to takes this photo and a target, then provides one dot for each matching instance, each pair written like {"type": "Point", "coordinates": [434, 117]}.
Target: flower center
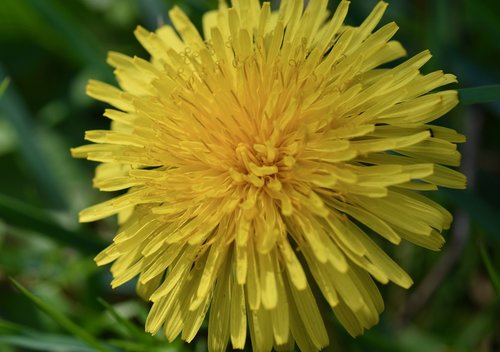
{"type": "Point", "coordinates": [262, 164]}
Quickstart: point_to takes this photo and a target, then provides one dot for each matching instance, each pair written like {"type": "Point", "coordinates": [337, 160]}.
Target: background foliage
{"type": "Point", "coordinates": [50, 48]}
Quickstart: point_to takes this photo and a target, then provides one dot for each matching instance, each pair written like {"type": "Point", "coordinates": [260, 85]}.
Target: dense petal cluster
{"type": "Point", "coordinates": [259, 161]}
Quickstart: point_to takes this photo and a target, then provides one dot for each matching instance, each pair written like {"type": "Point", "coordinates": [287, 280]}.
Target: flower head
{"type": "Point", "coordinates": [260, 160]}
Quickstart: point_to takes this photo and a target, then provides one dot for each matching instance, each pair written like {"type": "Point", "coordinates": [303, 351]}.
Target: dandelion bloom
{"type": "Point", "coordinates": [260, 160]}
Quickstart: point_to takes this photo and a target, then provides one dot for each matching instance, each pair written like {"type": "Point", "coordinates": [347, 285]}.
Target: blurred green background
{"type": "Point", "coordinates": [48, 51]}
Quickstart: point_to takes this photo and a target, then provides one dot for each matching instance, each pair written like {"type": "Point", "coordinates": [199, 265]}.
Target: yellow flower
{"type": "Point", "coordinates": [259, 161]}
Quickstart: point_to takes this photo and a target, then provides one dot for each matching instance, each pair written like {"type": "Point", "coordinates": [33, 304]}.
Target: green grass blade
{"type": "Point", "coordinates": [25, 216]}
{"type": "Point", "coordinates": [23, 337]}
{"type": "Point", "coordinates": [4, 85]}
{"type": "Point", "coordinates": [478, 95]}
{"type": "Point", "coordinates": [86, 48]}
{"type": "Point", "coordinates": [494, 277]}
{"type": "Point", "coordinates": [16, 335]}
{"type": "Point", "coordinates": [138, 347]}
{"type": "Point", "coordinates": [478, 209]}
{"type": "Point", "coordinates": [413, 339]}
{"type": "Point", "coordinates": [477, 330]}
{"type": "Point", "coordinates": [19, 117]}
{"type": "Point", "coordinates": [9, 328]}
{"type": "Point", "coordinates": [131, 328]}
{"type": "Point", "coordinates": [45, 342]}
{"type": "Point", "coordinates": [62, 320]}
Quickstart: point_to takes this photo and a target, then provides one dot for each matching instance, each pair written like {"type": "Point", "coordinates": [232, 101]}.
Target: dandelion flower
{"type": "Point", "coordinates": [260, 160]}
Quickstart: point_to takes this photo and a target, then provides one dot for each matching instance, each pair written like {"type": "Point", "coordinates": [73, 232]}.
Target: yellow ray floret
{"type": "Point", "coordinates": [259, 160]}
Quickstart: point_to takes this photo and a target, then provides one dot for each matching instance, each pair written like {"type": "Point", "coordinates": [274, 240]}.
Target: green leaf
{"type": "Point", "coordinates": [478, 95]}
{"type": "Point", "coordinates": [495, 278]}
{"type": "Point", "coordinates": [62, 320]}
{"type": "Point", "coordinates": [25, 216]}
